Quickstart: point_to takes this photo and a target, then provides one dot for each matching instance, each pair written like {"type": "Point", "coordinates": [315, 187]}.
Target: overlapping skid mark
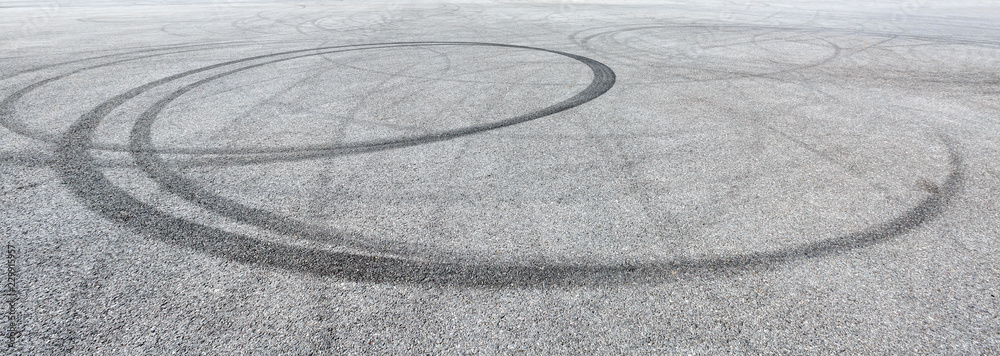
{"type": "Point", "coordinates": [59, 64]}
{"type": "Point", "coordinates": [389, 16]}
{"type": "Point", "coordinates": [76, 141]}
{"type": "Point", "coordinates": [959, 64]}
{"type": "Point", "coordinates": [643, 59]}
{"type": "Point", "coordinates": [79, 172]}
{"type": "Point", "coordinates": [452, 77]}
{"type": "Point", "coordinates": [11, 120]}
{"type": "Point", "coordinates": [345, 117]}
{"type": "Point", "coordinates": [131, 51]}
{"type": "Point", "coordinates": [116, 204]}
{"type": "Point", "coordinates": [603, 80]}
{"type": "Point", "coordinates": [141, 146]}
{"type": "Point", "coordinates": [666, 57]}
{"type": "Point", "coordinates": [357, 19]}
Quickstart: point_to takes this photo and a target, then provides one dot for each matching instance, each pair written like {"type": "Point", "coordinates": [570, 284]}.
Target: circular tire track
{"type": "Point", "coordinates": [695, 50]}
{"type": "Point", "coordinates": [694, 70]}
{"type": "Point", "coordinates": [7, 105]}
{"type": "Point", "coordinates": [81, 173]}
{"type": "Point", "coordinates": [155, 168]}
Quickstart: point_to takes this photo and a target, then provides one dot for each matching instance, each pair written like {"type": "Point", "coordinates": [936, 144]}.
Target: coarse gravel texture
{"type": "Point", "coordinates": [500, 177]}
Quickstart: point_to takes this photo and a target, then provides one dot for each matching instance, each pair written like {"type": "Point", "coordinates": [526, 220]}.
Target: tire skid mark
{"type": "Point", "coordinates": [351, 118]}
{"type": "Point", "coordinates": [604, 79]}
{"type": "Point", "coordinates": [140, 143]}
{"type": "Point", "coordinates": [248, 108]}
{"type": "Point", "coordinates": [116, 204]}
{"type": "Point", "coordinates": [495, 68]}
{"type": "Point", "coordinates": [79, 171]}
{"type": "Point", "coordinates": [584, 38]}
{"type": "Point", "coordinates": [142, 50]}
{"type": "Point", "coordinates": [7, 105]}
{"type": "Point", "coordinates": [720, 74]}
{"type": "Point", "coordinates": [7, 111]}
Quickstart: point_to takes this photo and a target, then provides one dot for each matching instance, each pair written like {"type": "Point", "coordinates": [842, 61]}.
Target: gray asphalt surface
{"type": "Point", "coordinates": [500, 177]}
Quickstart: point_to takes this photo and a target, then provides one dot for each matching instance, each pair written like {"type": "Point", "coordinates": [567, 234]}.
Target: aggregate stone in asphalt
{"type": "Point", "coordinates": [540, 177]}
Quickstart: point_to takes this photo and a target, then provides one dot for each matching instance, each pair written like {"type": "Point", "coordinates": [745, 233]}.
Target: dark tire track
{"type": "Point", "coordinates": [82, 175]}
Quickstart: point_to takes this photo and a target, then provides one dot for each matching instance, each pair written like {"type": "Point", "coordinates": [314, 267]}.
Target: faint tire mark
{"type": "Point", "coordinates": [82, 175]}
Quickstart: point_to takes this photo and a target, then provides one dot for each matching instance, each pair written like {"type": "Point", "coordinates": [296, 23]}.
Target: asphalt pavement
{"type": "Point", "coordinates": [500, 177]}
